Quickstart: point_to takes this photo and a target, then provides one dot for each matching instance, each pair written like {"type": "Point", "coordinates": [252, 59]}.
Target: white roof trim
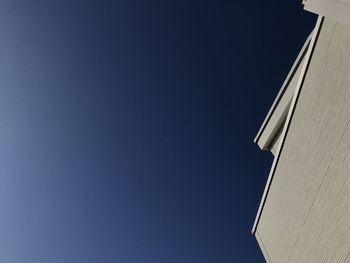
{"type": "Point", "coordinates": [279, 109]}
{"type": "Point", "coordinates": [291, 111]}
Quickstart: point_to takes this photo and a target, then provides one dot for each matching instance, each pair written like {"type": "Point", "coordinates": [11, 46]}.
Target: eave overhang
{"type": "Point", "coordinates": [308, 48]}
{"type": "Point", "coordinates": [276, 117]}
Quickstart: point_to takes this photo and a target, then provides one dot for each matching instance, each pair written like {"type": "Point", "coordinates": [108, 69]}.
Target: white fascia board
{"type": "Point", "coordinates": [301, 78]}
{"type": "Point", "coordinates": [338, 10]}
{"type": "Point", "coordinates": [279, 109]}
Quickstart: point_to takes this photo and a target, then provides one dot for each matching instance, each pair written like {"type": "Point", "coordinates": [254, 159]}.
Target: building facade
{"type": "Point", "coordinates": [304, 214]}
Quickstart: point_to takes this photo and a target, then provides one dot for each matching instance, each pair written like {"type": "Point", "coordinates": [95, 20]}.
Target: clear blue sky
{"type": "Point", "coordinates": [126, 127]}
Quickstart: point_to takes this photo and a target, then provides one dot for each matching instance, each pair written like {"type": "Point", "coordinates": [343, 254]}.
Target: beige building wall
{"type": "Point", "coordinates": [306, 217]}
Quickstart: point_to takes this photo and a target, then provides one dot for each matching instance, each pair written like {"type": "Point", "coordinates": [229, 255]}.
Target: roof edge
{"type": "Point", "coordinates": [277, 102]}
{"type": "Point", "coordinates": [291, 111]}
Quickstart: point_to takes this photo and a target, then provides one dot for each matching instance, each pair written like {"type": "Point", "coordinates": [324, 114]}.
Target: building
{"type": "Point", "coordinates": [304, 214]}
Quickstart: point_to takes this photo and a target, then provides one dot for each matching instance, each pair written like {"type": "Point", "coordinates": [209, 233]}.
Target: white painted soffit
{"type": "Point", "coordinates": [338, 10]}
{"type": "Point", "coordinates": [279, 109]}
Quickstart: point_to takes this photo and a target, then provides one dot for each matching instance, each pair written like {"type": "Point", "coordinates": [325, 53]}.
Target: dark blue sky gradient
{"type": "Point", "coordinates": [126, 127]}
